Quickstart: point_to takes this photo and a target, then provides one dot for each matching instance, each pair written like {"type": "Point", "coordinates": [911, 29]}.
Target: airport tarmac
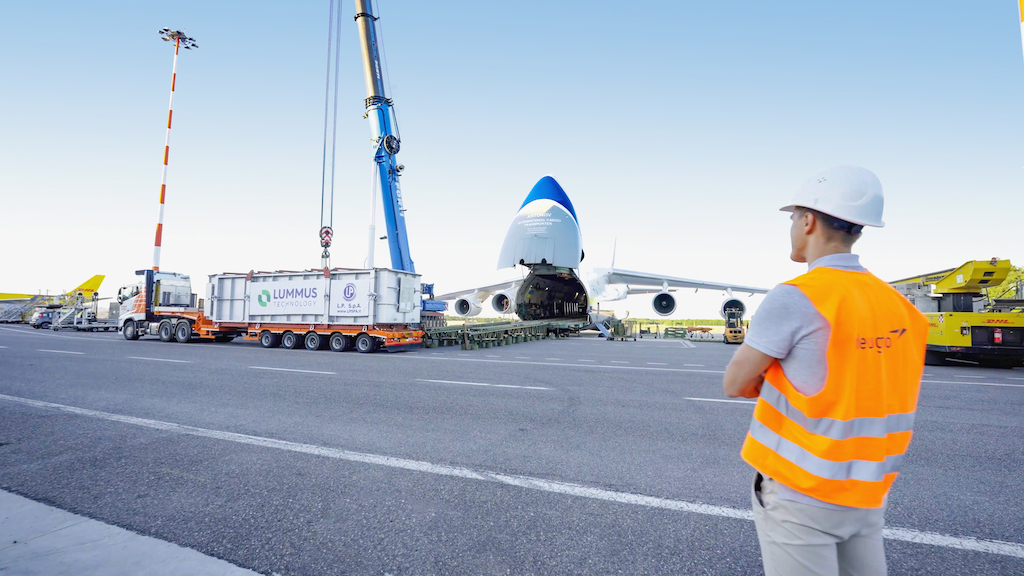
{"type": "Point", "coordinates": [573, 456]}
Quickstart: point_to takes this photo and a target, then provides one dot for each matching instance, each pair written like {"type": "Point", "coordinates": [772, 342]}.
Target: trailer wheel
{"type": "Point", "coordinates": [289, 340]}
{"type": "Point", "coordinates": [269, 340]}
{"type": "Point", "coordinates": [366, 343]}
{"type": "Point", "coordinates": [183, 331]}
{"type": "Point", "coordinates": [166, 331]}
{"type": "Point", "coordinates": [130, 330]}
{"type": "Point", "coordinates": [45, 325]}
{"type": "Point", "coordinates": [934, 358]}
{"type": "Point", "coordinates": [340, 342]}
{"type": "Point", "coordinates": [313, 341]}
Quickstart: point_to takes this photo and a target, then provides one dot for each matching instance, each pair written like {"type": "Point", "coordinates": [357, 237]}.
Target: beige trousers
{"type": "Point", "coordinates": [798, 539]}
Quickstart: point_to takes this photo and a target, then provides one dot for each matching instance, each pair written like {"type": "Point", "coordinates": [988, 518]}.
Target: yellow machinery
{"type": "Point", "coordinates": [732, 312]}
{"type": "Point", "coordinates": [963, 326]}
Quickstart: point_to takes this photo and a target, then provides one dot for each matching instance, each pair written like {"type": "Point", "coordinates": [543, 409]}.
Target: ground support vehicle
{"type": "Point", "coordinates": [735, 328]}
{"type": "Point", "coordinates": [962, 326]}
{"type": "Point", "coordinates": [335, 309]}
{"type": "Point", "coordinates": [80, 313]}
{"type": "Point", "coordinates": [43, 318]}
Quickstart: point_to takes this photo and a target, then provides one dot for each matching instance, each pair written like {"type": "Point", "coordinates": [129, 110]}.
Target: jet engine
{"type": "Point", "coordinates": [664, 304]}
{"type": "Point", "coordinates": [468, 307]}
{"type": "Point", "coordinates": [503, 303]}
{"type": "Point", "coordinates": [734, 308]}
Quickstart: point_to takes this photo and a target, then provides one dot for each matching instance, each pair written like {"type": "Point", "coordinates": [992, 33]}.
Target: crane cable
{"type": "Point", "coordinates": [333, 33]}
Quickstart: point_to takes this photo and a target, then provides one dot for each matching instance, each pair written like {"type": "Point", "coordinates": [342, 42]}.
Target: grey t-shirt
{"type": "Point", "coordinates": [788, 327]}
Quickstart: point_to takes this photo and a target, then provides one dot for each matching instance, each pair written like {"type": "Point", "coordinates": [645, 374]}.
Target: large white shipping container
{"type": "Point", "coordinates": [351, 297]}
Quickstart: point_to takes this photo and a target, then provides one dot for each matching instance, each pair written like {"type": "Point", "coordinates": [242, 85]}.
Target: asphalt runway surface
{"type": "Point", "coordinates": [574, 456]}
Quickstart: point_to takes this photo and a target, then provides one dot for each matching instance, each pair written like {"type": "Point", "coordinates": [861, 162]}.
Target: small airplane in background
{"type": "Point", "coordinates": [545, 239]}
{"type": "Point", "coordinates": [14, 305]}
{"type": "Point", "coordinates": [87, 289]}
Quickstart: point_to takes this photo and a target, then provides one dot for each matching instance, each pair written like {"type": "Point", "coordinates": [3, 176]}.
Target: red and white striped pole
{"type": "Point", "coordinates": [189, 43]}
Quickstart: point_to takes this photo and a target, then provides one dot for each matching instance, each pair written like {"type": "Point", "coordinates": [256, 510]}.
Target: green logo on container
{"type": "Point", "coordinates": [263, 298]}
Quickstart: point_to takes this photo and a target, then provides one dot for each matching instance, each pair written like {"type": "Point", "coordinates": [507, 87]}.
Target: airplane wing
{"type": "Point", "coordinates": [630, 291]}
{"type": "Point", "coordinates": [615, 276]}
{"type": "Point", "coordinates": [478, 293]}
{"type": "Point", "coordinates": [4, 296]}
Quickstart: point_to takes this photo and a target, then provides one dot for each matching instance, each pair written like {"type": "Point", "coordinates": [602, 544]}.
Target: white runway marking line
{"type": "Point", "coordinates": [970, 543]}
{"type": "Point", "coordinates": [696, 365]}
{"type": "Point", "coordinates": [618, 362]}
{"type": "Point", "coordinates": [552, 358]}
{"type": "Point", "coordinates": [483, 384]}
{"type": "Point", "coordinates": [601, 367]}
{"type": "Point", "coordinates": [522, 357]}
{"type": "Point", "coordinates": [292, 370]}
{"type": "Point", "coordinates": [1012, 378]}
{"type": "Point", "coordinates": [59, 351]}
{"type": "Point", "coordinates": [160, 359]}
{"type": "Point", "coordinates": [660, 364]}
{"type": "Point", "coordinates": [3, 346]}
{"type": "Point", "coordinates": [721, 400]}
{"type": "Point", "coordinates": [967, 376]}
{"type": "Point", "coordinates": [583, 360]}
{"type": "Point", "coordinates": [972, 383]}
{"type": "Point", "coordinates": [43, 334]}
{"type": "Point", "coordinates": [493, 356]}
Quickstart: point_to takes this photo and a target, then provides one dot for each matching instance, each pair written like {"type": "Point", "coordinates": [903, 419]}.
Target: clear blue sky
{"type": "Point", "coordinates": [677, 127]}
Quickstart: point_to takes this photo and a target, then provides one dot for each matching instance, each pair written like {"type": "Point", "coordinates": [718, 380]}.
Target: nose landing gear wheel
{"type": "Point", "coordinates": [366, 343]}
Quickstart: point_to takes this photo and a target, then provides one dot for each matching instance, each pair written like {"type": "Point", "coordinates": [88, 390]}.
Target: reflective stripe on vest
{"type": "Point", "coordinates": [845, 444]}
{"type": "Point", "coordinates": [838, 429]}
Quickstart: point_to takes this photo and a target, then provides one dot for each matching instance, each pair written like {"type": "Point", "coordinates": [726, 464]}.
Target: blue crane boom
{"type": "Point", "coordinates": [382, 124]}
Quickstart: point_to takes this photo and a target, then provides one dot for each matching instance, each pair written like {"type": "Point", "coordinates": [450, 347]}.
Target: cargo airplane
{"type": "Point", "coordinates": [87, 289]}
{"type": "Point", "coordinates": [14, 305]}
{"type": "Point", "coordinates": [545, 239]}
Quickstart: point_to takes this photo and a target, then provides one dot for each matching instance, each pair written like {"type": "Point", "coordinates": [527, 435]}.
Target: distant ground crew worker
{"type": "Point", "coordinates": [835, 359]}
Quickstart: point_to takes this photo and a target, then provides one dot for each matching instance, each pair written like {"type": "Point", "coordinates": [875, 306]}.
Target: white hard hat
{"type": "Point", "coordinates": [850, 193]}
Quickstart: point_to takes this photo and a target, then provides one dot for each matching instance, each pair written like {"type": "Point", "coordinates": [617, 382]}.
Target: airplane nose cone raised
{"type": "Point", "coordinates": [544, 231]}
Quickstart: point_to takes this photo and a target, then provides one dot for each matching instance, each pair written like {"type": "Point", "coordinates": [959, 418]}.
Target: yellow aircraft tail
{"type": "Point", "coordinates": [89, 287]}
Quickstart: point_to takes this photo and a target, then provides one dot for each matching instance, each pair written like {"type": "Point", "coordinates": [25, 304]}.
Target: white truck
{"type": "Point", "coordinates": [339, 309]}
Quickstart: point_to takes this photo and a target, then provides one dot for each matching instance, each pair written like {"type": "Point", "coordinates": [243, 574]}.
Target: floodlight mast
{"type": "Point", "coordinates": [180, 40]}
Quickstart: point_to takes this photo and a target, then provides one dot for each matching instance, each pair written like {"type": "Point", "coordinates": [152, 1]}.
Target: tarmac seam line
{"type": "Point", "coordinates": [160, 359]}
{"type": "Point", "coordinates": [597, 366]}
{"type": "Point", "coordinates": [969, 543]}
{"type": "Point", "coordinates": [972, 383]}
{"type": "Point", "coordinates": [720, 400]}
{"type": "Point", "coordinates": [293, 370]}
{"type": "Point", "coordinates": [483, 384]}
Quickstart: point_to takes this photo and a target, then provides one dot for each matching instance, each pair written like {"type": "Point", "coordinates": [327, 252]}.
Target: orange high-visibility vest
{"type": "Point", "coordinates": [845, 444]}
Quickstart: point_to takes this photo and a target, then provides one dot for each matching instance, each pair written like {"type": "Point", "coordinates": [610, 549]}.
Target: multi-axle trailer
{"type": "Point", "coordinates": [338, 309]}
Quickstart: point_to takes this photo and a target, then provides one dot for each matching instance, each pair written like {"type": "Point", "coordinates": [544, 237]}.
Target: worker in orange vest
{"type": "Point", "coordinates": [834, 358]}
